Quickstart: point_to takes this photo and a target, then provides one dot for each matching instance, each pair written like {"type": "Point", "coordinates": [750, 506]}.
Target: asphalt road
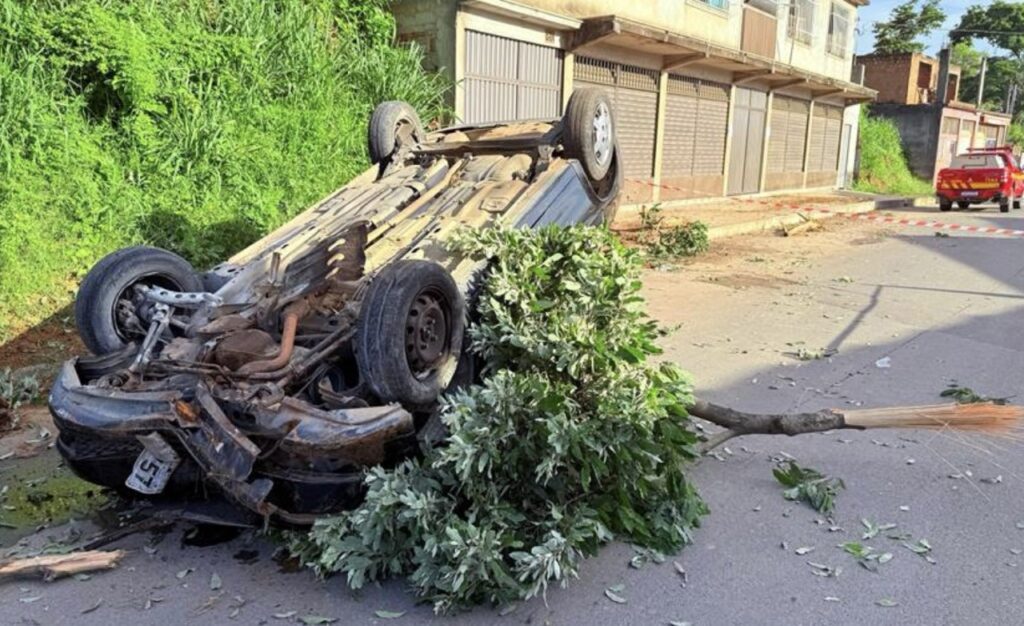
{"type": "Point", "coordinates": [931, 309]}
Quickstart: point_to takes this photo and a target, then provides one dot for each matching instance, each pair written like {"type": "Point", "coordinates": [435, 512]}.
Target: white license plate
{"type": "Point", "coordinates": [153, 468]}
{"type": "Point", "coordinates": [968, 194]}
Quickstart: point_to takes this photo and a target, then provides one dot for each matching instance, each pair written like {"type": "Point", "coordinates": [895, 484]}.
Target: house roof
{"type": "Point", "coordinates": [679, 50]}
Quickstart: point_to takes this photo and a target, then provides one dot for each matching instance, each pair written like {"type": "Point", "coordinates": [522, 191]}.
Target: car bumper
{"type": "Point", "coordinates": [217, 453]}
{"type": "Point", "coordinates": [969, 195]}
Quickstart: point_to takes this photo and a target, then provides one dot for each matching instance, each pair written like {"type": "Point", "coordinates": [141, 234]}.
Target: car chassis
{"type": "Point", "coordinates": [320, 350]}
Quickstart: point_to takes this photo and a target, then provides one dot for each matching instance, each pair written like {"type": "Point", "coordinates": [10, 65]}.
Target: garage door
{"type": "Point", "coordinates": [696, 120]}
{"type": "Point", "coordinates": [510, 80]}
{"type": "Point", "coordinates": [750, 114]}
{"type": "Point", "coordinates": [788, 135]}
{"type": "Point", "coordinates": [634, 92]}
{"type": "Point", "coordinates": [826, 132]}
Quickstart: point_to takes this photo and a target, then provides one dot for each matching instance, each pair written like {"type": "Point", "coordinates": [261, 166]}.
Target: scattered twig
{"type": "Point", "coordinates": [53, 566]}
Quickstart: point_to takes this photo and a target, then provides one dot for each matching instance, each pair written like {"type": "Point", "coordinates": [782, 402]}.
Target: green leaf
{"type": "Point", "coordinates": [388, 614]}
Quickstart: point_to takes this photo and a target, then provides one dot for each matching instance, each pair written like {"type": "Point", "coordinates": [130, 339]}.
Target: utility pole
{"type": "Point", "coordinates": [981, 81]}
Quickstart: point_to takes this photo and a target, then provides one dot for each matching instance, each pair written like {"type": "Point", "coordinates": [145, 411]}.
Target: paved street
{"type": "Point", "coordinates": [907, 312]}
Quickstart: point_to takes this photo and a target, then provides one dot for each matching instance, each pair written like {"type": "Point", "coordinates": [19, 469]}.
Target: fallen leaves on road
{"type": "Point", "coordinates": [808, 485]}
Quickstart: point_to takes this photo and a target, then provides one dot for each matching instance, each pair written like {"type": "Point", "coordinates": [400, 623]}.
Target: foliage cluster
{"type": "Point", "coordinates": [808, 485]}
{"type": "Point", "coordinates": [883, 164]}
{"type": "Point", "coordinates": [14, 392]}
{"type": "Point", "coordinates": [908, 21]}
{"type": "Point", "coordinates": [664, 242]}
{"type": "Point", "coordinates": [572, 439]}
{"type": "Point", "coordinates": [193, 125]}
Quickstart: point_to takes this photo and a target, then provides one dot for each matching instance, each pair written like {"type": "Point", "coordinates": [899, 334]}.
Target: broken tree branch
{"type": "Point", "coordinates": [53, 566]}
{"type": "Point", "coordinates": [985, 417]}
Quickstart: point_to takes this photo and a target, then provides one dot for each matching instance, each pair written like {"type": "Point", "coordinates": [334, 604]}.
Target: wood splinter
{"type": "Point", "coordinates": [54, 566]}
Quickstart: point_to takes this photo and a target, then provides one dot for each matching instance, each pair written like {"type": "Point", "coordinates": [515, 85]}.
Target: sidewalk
{"type": "Point", "coordinates": [727, 217]}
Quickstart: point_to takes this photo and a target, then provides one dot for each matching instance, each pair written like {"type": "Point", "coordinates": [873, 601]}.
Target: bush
{"type": "Point", "coordinates": [883, 165]}
{"type": "Point", "coordinates": [572, 440]}
{"type": "Point", "coordinates": [664, 242]}
{"type": "Point", "coordinates": [191, 125]}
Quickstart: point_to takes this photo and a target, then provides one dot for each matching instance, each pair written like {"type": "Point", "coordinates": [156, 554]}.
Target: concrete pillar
{"type": "Point", "coordinates": [807, 142]}
{"type": "Point", "coordinates": [767, 140]}
{"type": "Point", "coordinates": [460, 65]}
{"type": "Point", "coordinates": [659, 134]}
{"type": "Point", "coordinates": [728, 140]}
{"type": "Point", "coordinates": [568, 67]}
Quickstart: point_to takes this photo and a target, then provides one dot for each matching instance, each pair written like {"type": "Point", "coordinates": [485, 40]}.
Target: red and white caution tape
{"type": "Point", "coordinates": [872, 217]}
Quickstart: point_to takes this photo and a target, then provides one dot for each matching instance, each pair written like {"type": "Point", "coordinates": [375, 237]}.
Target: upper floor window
{"type": "Point", "coordinates": [768, 6]}
{"type": "Point", "coordinates": [717, 4]}
{"type": "Point", "coordinates": [801, 20]}
{"type": "Point", "coordinates": [838, 30]}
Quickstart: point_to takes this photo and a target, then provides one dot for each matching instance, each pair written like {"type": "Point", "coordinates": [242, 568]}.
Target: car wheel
{"type": "Point", "coordinates": [1004, 205]}
{"type": "Point", "coordinates": [409, 333]}
{"type": "Point", "coordinates": [588, 131]}
{"type": "Point", "coordinates": [108, 313]}
{"type": "Point", "coordinates": [392, 122]}
{"type": "Point", "coordinates": [945, 205]}
{"type": "Point", "coordinates": [1016, 203]}
{"type": "Point", "coordinates": [963, 205]}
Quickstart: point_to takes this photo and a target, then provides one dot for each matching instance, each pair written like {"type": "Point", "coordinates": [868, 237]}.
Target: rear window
{"type": "Point", "coordinates": [977, 162]}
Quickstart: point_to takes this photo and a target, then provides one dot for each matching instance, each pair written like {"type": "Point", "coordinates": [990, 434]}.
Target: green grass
{"type": "Point", "coordinates": [195, 125]}
{"type": "Point", "coordinates": [883, 164]}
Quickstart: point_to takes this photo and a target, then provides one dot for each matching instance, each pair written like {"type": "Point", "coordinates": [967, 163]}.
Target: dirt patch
{"type": "Point", "coordinates": [50, 341]}
{"type": "Point", "coordinates": [746, 281]}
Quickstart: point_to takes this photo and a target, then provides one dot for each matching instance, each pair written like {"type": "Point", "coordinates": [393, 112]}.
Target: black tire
{"type": "Point", "coordinates": [1016, 203]}
{"type": "Point", "coordinates": [963, 205]}
{"type": "Point", "coordinates": [111, 279]}
{"type": "Point", "coordinates": [588, 131]}
{"type": "Point", "coordinates": [1004, 205]}
{"type": "Point", "coordinates": [396, 357]}
{"type": "Point", "coordinates": [945, 205]}
{"type": "Point", "coordinates": [388, 121]}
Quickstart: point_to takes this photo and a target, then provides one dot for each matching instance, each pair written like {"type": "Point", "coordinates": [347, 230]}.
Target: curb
{"type": "Point", "coordinates": [778, 221]}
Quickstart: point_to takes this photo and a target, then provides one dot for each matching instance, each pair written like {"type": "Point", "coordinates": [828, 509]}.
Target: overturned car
{"type": "Point", "coordinates": [273, 379]}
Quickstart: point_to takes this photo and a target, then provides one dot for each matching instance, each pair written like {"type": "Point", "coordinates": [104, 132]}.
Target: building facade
{"type": "Point", "coordinates": [712, 97]}
{"type": "Point", "coordinates": [933, 129]}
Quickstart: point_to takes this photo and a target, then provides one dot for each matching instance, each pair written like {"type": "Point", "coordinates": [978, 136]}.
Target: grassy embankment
{"type": "Point", "coordinates": [883, 164]}
{"type": "Point", "coordinates": [191, 125]}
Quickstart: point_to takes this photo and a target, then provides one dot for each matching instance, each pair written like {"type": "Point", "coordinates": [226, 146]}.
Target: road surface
{"type": "Point", "coordinates": [905, 311]}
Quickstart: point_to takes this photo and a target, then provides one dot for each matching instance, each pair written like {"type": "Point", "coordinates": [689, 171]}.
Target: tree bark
{"type": "Point", "coordinates": [739, 423]}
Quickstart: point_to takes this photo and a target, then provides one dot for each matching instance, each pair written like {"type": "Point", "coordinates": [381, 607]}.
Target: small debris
{"type": "Point", "coordinates": [185, 572]}
{"type": "Point", "coordinates": [215, 582]}
{"type": "Point", "coordinates": [992, 481]}
{"type": "Point", "coordinates": [612, 593]}
{"type": "Point", "coordinates": [804, 550]}
{"type": "Point", "coordinates": [388, 614]}
{"type": "Point", "coordinates": [316, 620]}
{"type": "Point", "coordinates": [887, 602]}
{"type": "Point", "coordinates": [884, 363]}
{"type": "Point", "coordinates": [285, 615]}
{"type": "Point", "coordinates": [92, 608]}
{"type": "Point", "coordinates": [831, 599]}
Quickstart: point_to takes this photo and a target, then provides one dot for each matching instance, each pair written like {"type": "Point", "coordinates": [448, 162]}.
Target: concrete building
{"type": "Point", "coordinates": [713, 97]}
{"type": "Point", "coordinates": [933, 129]}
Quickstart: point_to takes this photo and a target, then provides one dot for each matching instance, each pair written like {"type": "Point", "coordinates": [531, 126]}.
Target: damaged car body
{"type": "Point", "coordinates": [273, 380]}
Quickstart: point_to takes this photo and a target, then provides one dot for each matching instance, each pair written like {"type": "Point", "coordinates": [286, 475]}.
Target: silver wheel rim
{"type": "Point", "coordinates": [603, 134]}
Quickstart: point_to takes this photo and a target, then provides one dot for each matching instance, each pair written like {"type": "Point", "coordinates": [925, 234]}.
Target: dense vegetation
{"type": "Point", "coordinates": [194, 125]}
{"type": "Point", "coordinates": [883, 164]}
{"type": "Point", "coordinates": [572, 439]}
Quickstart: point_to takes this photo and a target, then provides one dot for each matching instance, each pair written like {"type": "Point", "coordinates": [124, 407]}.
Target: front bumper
{"type": "Point", "coordinates": [308, 462]}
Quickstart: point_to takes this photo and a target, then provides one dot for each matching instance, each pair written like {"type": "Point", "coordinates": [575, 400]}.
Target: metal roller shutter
{"type": "Point", "coordinates": [779, 122]}
{"type": "Point", "coordinates": [796, 135]}
{"type": "Point", "coordinates": [508, 79]}
{"type": "Point", "coordinates": [833, 138]}
{"type": "Point", "coordinates": [696, 120]}
{"type": "Point", "coordinates": [634, 92]}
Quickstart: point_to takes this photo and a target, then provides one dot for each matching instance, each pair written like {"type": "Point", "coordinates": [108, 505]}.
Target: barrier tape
{"type": "Point", "coordinates": [872, 217]}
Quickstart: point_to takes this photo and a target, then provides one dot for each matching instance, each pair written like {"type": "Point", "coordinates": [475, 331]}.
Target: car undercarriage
{"type": "Point", "coordinates": [273, 380]}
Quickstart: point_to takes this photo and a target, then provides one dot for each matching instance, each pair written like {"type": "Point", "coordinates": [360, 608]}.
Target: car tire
{"type": "Point", "coordinates": [108, 282]}
{"type": "Point", "coordinates": [1004, 204]}
{"type": "Point", "coordinates": [409, 333]}
{"type": "Point", "coordinates": [1016, 203]}
{"type": "Point", "coordinates": [945, 205]}
{"type": "Point", "coordinates": [963, 205]}
{"type": "Point", "coordinates": [588, 131]}
{"type": "Point", "coordinates": [390, 120]}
